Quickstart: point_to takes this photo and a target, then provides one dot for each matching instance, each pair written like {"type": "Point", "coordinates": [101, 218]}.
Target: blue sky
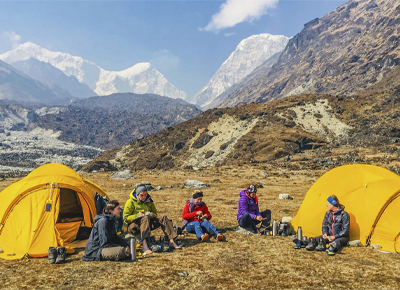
{"type": "Point", "coordinates": [186, 41]}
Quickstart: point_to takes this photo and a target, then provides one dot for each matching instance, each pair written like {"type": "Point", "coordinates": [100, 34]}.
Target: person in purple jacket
{"type": "Point", "coordinates": [248, 215]}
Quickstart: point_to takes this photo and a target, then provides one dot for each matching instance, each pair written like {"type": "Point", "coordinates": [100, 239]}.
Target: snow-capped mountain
{"type": "Point", "coordinates": [15, 85]}
{"type": "Point", "coordinates": [140, 78]}
{"type": "Point", "coordinates": [53, 77]}
{"type": "Point", "coordinates": [248, 55]}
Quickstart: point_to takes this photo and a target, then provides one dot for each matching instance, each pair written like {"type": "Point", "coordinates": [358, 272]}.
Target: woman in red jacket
{"type": "Point", "coordinates": [196, 218]}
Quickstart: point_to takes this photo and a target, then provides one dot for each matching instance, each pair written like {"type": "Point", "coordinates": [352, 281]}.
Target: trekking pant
{"type": "Point", "coordinates": [113, 254]}
{"type": "Point", "coordinates": [146, 224]}
{"type": "Point", "coordinates": [336, 244]}
{"type": "Point", "coordinates": [199, 227]}
{"type": "Point", "coordinates": [247, 222]}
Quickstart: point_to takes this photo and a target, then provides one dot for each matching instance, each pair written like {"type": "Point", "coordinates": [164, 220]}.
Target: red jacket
{"type": "Point", "coordinates": [191, 216]}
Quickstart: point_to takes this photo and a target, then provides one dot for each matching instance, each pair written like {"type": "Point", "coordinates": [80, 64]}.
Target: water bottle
{"type": "Point", "coordinates": [299, 234]}
{"type": "Point", "coordinates": [274, 228]}
{"type": "Point", "coordinates": [132, 245]}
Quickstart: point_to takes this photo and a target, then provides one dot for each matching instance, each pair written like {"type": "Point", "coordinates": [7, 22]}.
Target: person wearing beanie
{"type": "Point", "coordinates": [140, 214]}
{"type": "Point", "coordinates": [196, 218]}
{"type": "Point", "coordinates": [335, 229]}
{"type": "Point", "coordinates": [249, 215]}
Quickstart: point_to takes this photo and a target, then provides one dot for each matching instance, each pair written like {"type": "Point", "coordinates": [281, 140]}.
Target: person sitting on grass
{"type": "Point", "coordinates": [248, 215]}
{"type": "Point", "coordinates": [140, 214]}
{"type": "Point", "coordinates": [335, 229]}
{"type": "Point", "coordinates": [196, 218]}
{"type": "Point", "coordinates": [103, 242]}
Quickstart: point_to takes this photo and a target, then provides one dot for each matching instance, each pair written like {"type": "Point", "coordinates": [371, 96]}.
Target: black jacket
{"type": "Point", "coordinates": [103, 235]}
{"type": "Point", "coordinates": [336, 223]}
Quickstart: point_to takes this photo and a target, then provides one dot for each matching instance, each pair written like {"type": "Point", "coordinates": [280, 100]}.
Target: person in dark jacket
{"type": "Point", "coordinates": [335, 229]}
{"type": "Point", "coordinates": [249, 215]}
{"type": "Point", "coordinates": [196, 218]}
{"type": "Point", "coordinates": [104, 243]}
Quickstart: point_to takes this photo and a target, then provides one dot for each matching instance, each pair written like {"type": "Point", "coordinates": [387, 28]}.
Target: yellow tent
{"type": "Point", "coordinates": [45, 209]}
{"type": "Point", "coordinates": [371, 196]}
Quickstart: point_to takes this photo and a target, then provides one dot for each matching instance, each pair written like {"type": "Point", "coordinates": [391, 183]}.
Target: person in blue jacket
{"type": "Point", "coordinates": [335, 229]}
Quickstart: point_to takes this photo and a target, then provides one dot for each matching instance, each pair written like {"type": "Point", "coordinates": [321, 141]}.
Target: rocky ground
{"type": "Point", "coordinates": [21, 152]}
{"type": "Point", "coordinates": [240, 262]}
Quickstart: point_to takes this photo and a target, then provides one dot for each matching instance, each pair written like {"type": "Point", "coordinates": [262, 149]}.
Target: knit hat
{"type": "Point", "coordinates": [251, 189]}
{"type": "Point", "coordinates": [140, 188]}
{"type": "Point", "coordinates": [332, 201]}
{"type": "Point", "coordinates": [197, 194]}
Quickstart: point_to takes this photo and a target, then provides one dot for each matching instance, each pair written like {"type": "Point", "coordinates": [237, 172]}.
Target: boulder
{"type": "Point", "coordinates": [355, 243]}
{"type": "Point", "coordinates": [286, 219]}
{"type": "Point", "coordinates": [126, 174]}
{"type": "Point", "coordinates": [195, 184]}
{"type": "Point", "coordinates": [285, 196]}
{"type": "Point", "coordinates": [144, 183]}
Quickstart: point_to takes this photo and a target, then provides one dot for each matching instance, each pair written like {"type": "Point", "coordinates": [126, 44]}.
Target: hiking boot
{"type": "Point", "coordinates": [204, 237]}
{"type": "Point", "coordinates": [330, 251]}
{"type": "Point", "coordinates": [311, 244]}
{"type": "Point", "coordinates": [295, 239]}
{"type": "Point", "coordinates": [321, 245]}
{"type": "Point", "coordinates": [61, 253]}
{"type": "Point", "coordinates": [219, 237]}
{"type": "Point", "coordinates": [298, 245]}
{"type": "Point", "coordinates": [52, 255]}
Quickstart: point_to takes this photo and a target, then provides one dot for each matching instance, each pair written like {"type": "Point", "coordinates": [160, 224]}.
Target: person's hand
{"type": "Point", "coordinates": [199, 213]}
{"type": "Point", "coordinates": [205, 216]}
{"type": "Point", "coordinates": [331, 238]}
{"type": "Point", "coordinates": [140, 213]}
{"type": "Point", "coordinates": [259, 218]}
{"type": "Point", "coordinates": [325, 236]}
{"type": "Point", "coordinates": [151, 214]}
{"type": "Point", "coordinates": [127, 250]}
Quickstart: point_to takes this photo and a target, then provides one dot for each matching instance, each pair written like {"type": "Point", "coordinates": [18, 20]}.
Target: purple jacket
{"type": "Point", "coordinates": [247, 204]}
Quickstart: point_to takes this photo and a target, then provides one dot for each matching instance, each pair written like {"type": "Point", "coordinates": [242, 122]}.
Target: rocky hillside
{"type": "Point", "coordinates": [102, 122]}
{"type": "Point", "coordinates": [343, 53]}
{"type": "Point", "coordinates": [303, 131]}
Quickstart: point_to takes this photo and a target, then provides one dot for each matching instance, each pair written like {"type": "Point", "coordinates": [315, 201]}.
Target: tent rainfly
{"type": "Point", "coordinates": [371, 196]}
{"type": "Point", "coordinates": [45, 209]}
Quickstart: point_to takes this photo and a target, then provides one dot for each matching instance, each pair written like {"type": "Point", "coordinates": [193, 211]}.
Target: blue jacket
{"type": "Point", "coordinates": [336, 223]}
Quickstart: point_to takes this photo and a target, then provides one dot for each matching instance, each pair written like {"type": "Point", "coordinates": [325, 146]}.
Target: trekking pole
{"type": "Point", "coordinates": [132, 243]}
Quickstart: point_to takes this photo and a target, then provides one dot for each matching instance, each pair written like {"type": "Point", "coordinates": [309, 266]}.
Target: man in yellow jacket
{"type": "Point", "coordinates": [140, 214]}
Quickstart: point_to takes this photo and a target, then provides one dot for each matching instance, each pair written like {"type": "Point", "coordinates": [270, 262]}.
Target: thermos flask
{"type": "Point", "coordinates": [299, 234]}
{"type": "Point", "coordinates": [132, 245]}
{"type": "Point", "coordinates": [274, 228]}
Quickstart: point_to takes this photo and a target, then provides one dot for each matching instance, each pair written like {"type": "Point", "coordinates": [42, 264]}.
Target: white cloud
{"type": "Point", "coordinates": [233, 12]}
{"type": "Point", "coordinates": [229, 34]}
{"type": "Point", "coordinates": [164, 60]}
{"type": "Point", "coordinates": [11, 38]}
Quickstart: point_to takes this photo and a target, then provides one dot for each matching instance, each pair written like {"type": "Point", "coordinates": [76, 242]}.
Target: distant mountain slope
{"type": "Point", "coordinates": [110, 121]}
{"type": "Point", "coordinates": [344, 52]}
{"type": "Point", "coordinates": [299, 132]}
{"type": "Point", "coordinates": [53, 77]}
{"type": "Point", "coordinates": [249, 54]}
{"type": "Point", "coordinates": [140, 78]}
{"type": "Point", "coordinates": [16, 86]}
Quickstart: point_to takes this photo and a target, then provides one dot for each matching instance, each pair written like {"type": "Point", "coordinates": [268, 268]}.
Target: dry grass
{"type": "Point", "coordinates": [242, 262]}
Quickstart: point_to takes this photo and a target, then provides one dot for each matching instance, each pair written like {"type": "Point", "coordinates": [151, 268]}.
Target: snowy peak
{"type": "Point", "coordinates": [248, 55]}
{"type": "Point", "coordinates": [140, 78]}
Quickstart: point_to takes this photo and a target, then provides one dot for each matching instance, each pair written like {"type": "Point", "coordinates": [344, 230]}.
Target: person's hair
{"type": "Point", "coordinates": [337, 200]}
{"type": "Point", "coordinates": [110, 206]}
